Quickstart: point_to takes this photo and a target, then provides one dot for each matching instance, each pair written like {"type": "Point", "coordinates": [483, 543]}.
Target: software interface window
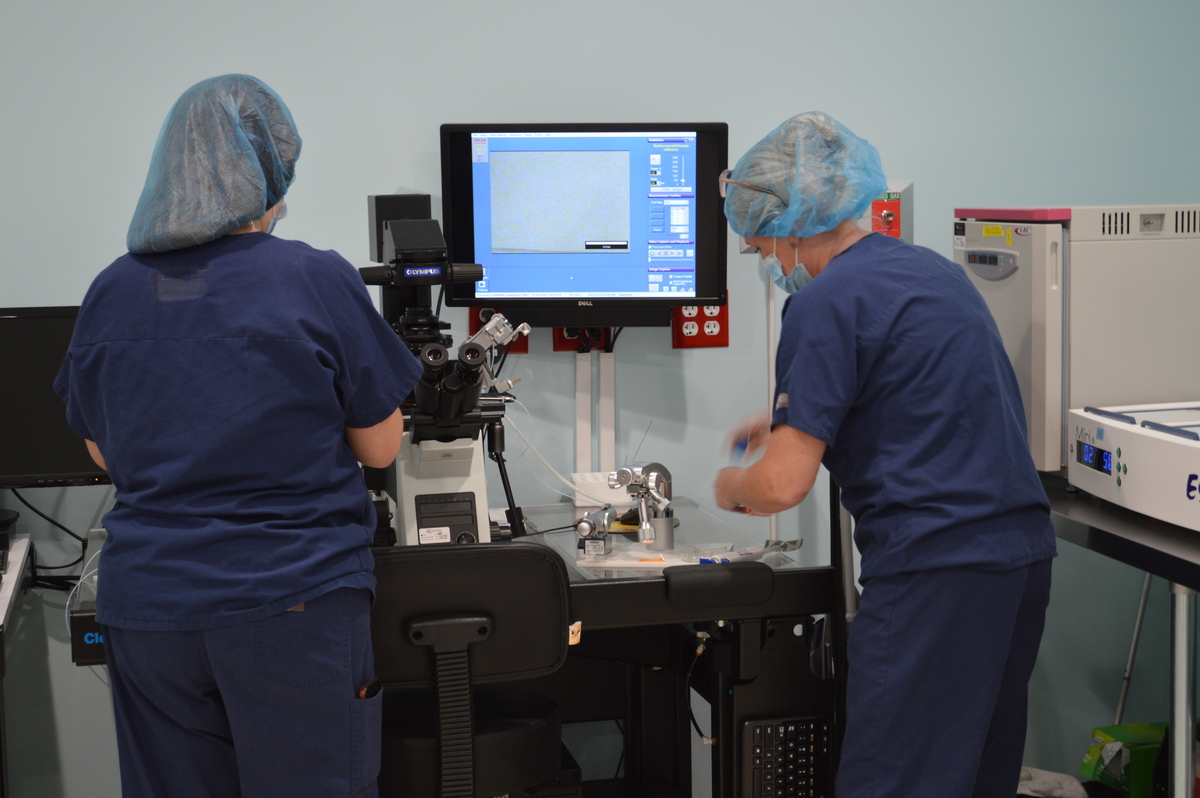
{"type": "Point", "coordinates": [603, 215]}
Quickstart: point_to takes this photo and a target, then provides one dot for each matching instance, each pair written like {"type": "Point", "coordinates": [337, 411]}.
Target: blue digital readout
{"type": "Point", "coordinates": [1090, 456]}
{"type": "Point", "coordinates": [1087, 455]}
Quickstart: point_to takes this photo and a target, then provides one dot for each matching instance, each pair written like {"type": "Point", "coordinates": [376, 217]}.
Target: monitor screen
{"type": "Point", "coordinates": [37, 448]}
{"type": "Point", "coordinates": [588, 224]}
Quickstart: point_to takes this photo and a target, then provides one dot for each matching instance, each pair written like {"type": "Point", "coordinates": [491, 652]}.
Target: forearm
{"type": "Point", "coordinates": [762, 489]}
{"type": "Point", "coordinates": [377, 446]}
{"type": "Point", "coordinates": [780, 480]}
{"type": "Point", "coordinates": [94, 451]}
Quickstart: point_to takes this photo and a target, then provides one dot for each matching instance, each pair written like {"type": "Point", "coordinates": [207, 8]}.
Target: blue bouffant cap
{"type": "Point", "coordinates": [821, 170]}
{"type": "Point", "coordinates": [226, 154]}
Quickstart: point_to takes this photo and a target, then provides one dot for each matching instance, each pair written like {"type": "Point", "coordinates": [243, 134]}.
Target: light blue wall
{"type": "Point", "coordinates": [1055, 102]}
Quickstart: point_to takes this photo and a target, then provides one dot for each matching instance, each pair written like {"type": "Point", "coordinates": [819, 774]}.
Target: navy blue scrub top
{"type": "Point", "coordinates": [891, 357]}
{"type": "Point", "coordinates": [217, 381]}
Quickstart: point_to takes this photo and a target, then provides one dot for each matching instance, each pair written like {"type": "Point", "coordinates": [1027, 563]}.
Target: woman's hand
{"type": "Point", "coordinates": [726, 486]}
{"type": "Point", "coordinates": [750, 435]}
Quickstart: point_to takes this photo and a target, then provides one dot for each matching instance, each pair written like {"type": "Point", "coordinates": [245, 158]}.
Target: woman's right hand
{"type": "Point", "coordinates": [749, 435]}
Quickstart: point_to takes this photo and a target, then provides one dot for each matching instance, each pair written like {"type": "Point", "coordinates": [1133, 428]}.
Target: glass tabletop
{"type": "Point", "coordinates": [701, 536]}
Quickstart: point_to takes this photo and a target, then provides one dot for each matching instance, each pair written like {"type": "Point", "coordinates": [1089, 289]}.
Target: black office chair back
{"type": "Point", "coordinates": [449, 616]}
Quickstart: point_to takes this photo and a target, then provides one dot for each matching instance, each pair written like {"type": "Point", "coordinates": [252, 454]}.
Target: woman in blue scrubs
{"type": "Point", "coordinates": [891, 372]}
{"type": "Point", "coordinates": [231, 382]}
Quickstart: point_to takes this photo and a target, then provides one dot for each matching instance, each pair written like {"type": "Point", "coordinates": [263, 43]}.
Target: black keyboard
{"type": "Point", "coordinates": [786, 758]}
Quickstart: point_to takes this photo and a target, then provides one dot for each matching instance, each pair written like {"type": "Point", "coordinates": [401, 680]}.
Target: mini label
{"type": "Point", "coordinates": [993, 231]}
{"type": "Point", "coordinates": [434, 534]}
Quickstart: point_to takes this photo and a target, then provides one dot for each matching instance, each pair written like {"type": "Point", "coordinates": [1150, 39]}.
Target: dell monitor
{"type": "Point", "coordinates": [597, 225]}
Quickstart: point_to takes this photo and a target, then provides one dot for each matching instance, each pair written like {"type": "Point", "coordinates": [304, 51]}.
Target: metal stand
{"type": "Point", "coordinates": [1183, 713]}
{"type": "Point", "coordinates": [1133, 647]}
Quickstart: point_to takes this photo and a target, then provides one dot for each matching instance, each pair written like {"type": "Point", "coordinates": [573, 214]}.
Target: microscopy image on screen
{"type": "Point", "coordinates": [560, 201]}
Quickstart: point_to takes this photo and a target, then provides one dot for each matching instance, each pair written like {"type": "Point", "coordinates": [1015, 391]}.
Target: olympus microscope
{"type": "Point", "coordinates": [437, 484]}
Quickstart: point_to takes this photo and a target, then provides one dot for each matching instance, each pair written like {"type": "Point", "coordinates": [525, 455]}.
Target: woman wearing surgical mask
{"type": "Point", "coordinates": [891, 373]}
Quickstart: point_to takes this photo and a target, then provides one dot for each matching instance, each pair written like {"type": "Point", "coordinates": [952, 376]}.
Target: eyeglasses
{"type": "Point", "coordinates": [726, 178]}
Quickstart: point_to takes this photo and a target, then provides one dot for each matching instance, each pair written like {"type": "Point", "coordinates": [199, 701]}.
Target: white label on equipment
{"type": "Point", "coordinates": [434, 534]}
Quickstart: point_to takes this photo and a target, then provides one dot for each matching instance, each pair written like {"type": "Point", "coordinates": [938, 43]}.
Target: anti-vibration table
{"type": "Point", "coordinates": [770, 656]}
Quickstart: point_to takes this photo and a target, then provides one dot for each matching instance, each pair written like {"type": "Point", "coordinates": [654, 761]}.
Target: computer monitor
{"type": "Point", "coordinates": [599, 225]}
{"type": "Point", "coordinates": [37, 448]}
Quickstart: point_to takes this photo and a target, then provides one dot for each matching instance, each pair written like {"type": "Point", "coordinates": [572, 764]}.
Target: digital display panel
{"type": "Point", "coordinates": [1098, 459]}
{"type": "Point", "coordinates": [596, 215]}
{"type": "Point", "coordinates": [983, 258]}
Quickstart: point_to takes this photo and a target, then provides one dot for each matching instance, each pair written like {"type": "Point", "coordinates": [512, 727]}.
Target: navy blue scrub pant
{"type": "Point", "coordinates": [261, 709]}
{"type": "Point", "coordinates": [938, 683]}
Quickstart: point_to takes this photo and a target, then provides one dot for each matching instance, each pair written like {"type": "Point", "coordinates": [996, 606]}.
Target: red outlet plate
{"type": "Point", "coordinates": [518, 346]}
{"type": "Point", "coordinates": [697, 326]}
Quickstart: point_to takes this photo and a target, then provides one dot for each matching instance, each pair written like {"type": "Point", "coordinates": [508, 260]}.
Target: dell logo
{"type": "Point", "coordinates": [93, 638]}
{"type": "Point", "coordinates": [585, 303]}
{"type": "Point", "coordinates": [1191, 487]}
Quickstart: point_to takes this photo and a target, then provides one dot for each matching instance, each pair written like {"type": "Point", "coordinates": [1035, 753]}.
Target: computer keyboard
{"type": "Point", "coordinates": [786, 758]}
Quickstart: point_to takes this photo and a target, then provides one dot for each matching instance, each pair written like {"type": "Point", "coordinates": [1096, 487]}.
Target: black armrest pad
{"type": "Point", "coordinates": [723, 585]}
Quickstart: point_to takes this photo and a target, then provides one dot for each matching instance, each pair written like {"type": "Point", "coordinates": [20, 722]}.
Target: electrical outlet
{"type": "Point", "coordinates": [695, 326]}
{"type": "Point", "coordinates": [477, 317]}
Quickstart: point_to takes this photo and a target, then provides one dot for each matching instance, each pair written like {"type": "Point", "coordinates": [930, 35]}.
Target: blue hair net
{"type": "Point", "coordinates": [225, 155]}
{"type": "Point", "coordinates": [823, 172]}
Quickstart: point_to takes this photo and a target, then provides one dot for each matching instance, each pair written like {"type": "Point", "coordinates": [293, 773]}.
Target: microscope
{"type": "Point", "coordinates": [438, 482]}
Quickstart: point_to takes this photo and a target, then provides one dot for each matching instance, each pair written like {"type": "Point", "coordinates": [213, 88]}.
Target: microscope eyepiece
{"type": "Point", "coordinates": [434, 355]}
{"type": "Point", "coordinates": [434, 359]}
{"type": "Point", "coordinates": [471, 357]}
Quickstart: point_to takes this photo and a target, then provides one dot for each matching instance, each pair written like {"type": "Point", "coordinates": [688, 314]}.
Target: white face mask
{"type": "Point", "coordinates": [791, 283]}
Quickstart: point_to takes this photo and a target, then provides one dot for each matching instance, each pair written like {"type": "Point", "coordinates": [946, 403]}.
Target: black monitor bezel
{"type": "Point", "coordinates": [62, 477]}
{"type": "Point", "coordinates": [711, 230]}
